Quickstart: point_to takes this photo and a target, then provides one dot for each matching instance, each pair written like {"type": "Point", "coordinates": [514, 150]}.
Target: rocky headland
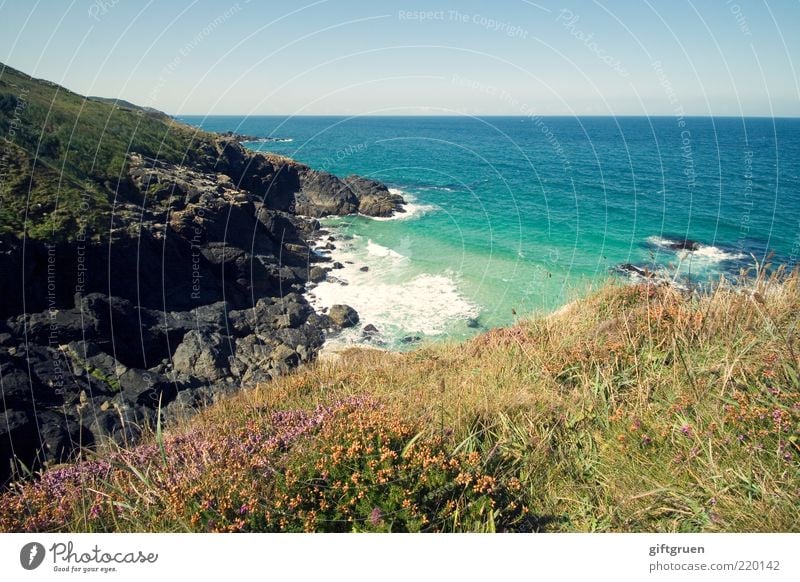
{"type": "Point", "coordinates": [194, 290]}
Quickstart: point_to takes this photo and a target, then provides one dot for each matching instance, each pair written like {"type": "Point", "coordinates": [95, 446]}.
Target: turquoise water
{"type": "Point", "coordinates": [512, 216]}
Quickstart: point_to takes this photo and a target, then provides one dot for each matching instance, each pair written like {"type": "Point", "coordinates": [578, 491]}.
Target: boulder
{"type": "Point", "coordinates": [204, 355]}
{"type": "Point", "coordinates": [374, 198]}
{"type": "Point", "coordinates": [343, 316]}
{"type": "Point", "coordinates": [317, 274]}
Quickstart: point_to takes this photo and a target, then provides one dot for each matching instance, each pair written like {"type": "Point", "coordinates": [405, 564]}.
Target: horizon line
{"type": "Point", "coordinates": [480, 115]}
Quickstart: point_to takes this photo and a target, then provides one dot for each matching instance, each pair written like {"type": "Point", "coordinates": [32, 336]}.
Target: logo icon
{"type": "Point", "coordinates": [31, 555]}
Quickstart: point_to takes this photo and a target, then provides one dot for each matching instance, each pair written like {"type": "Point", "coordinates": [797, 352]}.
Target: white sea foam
{"type": "Point", "coordinates": [660, 241]}
{"type": "Point", "coordinates": [703, 253]}
{"type": "Point", "coordinates": [411, 207]}
{"type": "Point", "coordinates": [711, 254]}
{"type": "Point", "coordinates": [383, 252]}
{"type": "Point", "coordinates": [390, 295]}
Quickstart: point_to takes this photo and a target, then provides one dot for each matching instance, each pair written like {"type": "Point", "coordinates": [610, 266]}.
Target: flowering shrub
{"type": "Point", "coordinates": [346, 466]}
{"type": "Point", "coordinates": [372, 472]}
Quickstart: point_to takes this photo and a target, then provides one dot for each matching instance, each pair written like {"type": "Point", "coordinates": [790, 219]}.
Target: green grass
{"type": "Point", "coordinates": [63, 156]}
{"type": "Point", "coordinates": [635, 409]}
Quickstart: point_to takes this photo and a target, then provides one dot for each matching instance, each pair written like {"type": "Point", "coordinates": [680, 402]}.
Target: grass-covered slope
{"type": "Point", "coordinates": [637, 409]}
{"type": "Point", "coordinates": [62, 155]}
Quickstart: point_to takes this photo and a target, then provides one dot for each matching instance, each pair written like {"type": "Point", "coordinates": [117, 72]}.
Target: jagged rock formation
{"type": "Point", "coordinates": [192, 289]}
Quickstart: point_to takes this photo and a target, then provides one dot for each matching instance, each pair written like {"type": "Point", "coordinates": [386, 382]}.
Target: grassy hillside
{"type": "Point", "coordinates": [59, 149]}
{"type": "Point", "coordinates": [636, 409]}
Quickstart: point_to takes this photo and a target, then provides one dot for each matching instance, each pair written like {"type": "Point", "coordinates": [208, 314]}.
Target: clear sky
{"type": "Point", "coordinates": [509, 57]}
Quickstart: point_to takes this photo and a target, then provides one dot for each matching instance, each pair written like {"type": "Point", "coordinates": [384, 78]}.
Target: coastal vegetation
{"type": "Point", "coordinates": [637, 408]}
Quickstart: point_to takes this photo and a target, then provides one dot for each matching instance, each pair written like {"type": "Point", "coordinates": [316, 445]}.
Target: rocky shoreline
{"type": "Point", "coordinates": [196, 290]}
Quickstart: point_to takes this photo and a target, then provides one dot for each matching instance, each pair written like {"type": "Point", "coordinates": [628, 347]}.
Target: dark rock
{"type": "Point", "coordinates": [19, 441]}
{"type": "Point", "coordinates": [304, 340]}
{"type": "Point", "coordinates": [410, 339]}
{"type": "Point", "coordinates": [338, 265]}
{"type": "Point", "coordinates": [21, 387]}
{"type": "Point", "coordinates": [324, 194]}
{"type": "Point", "coordinates": [147, 388]}
{"type": "Point", "coordinates": [343, 316]}
{"type": "Point", "coordinates": [122, 423]}
{"type": "Point", "coordinates": [221, 254]}
{"type": "Point", "coordinates": [252, 352]}
{"type": "Point", "coordinates": [374, 198]}
{"type": "Point", "coordinates": [634, 270]}
{"type": "Point", "coordinates": [364, 269]}
{"type": "Point", "coordinates": [204, 355]}
{"type": "Point", "coordinates": [283, 354]}
{"type": "Point", "coordinates": [317, 274]}
{"type": "Point", "coordinates": [369, 328]}
{"type": "Point", "coordinates": [319, 321]}
{"type": "Point", "coordinates": [211, 317]}
{"type": "Point", "coordinates": [189, 401]}
{"type": "Point", "coordinates": [683, 245]}
{"type": "Point", "coordinates": [60, 437]}
{"type": "Point", "coordinates": [270, 314]}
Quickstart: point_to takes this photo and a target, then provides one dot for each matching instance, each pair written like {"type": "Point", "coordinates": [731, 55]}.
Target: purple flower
{"type": "Point", "coordinates": [375, 517]}
{"type": "Point", "coordinates": [686, 430]}
{"type": "Point", "coordinates": [94, 512]}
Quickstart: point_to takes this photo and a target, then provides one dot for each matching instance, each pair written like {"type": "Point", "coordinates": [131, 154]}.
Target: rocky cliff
{"type": "Point", "coordinates": [188, 285]}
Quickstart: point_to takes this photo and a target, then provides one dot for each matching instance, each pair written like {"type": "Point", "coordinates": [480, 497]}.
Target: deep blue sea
{"type": "Point", "coordinates": [509, 216]}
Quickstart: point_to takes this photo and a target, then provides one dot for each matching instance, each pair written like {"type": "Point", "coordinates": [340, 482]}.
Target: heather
{"type": "Point", "coordinates": [638, 408]}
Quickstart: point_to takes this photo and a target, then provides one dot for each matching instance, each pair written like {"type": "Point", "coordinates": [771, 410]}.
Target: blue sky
{"type": "Point", "coordinates": [508, 57]}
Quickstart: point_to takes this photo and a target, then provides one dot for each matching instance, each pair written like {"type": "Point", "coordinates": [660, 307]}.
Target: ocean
{"type": "Point", "coordinates": [514, 216]}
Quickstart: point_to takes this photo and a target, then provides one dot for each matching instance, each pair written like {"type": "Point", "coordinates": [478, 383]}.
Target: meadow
{"type": "Point", "coordinates": [637, 408]}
